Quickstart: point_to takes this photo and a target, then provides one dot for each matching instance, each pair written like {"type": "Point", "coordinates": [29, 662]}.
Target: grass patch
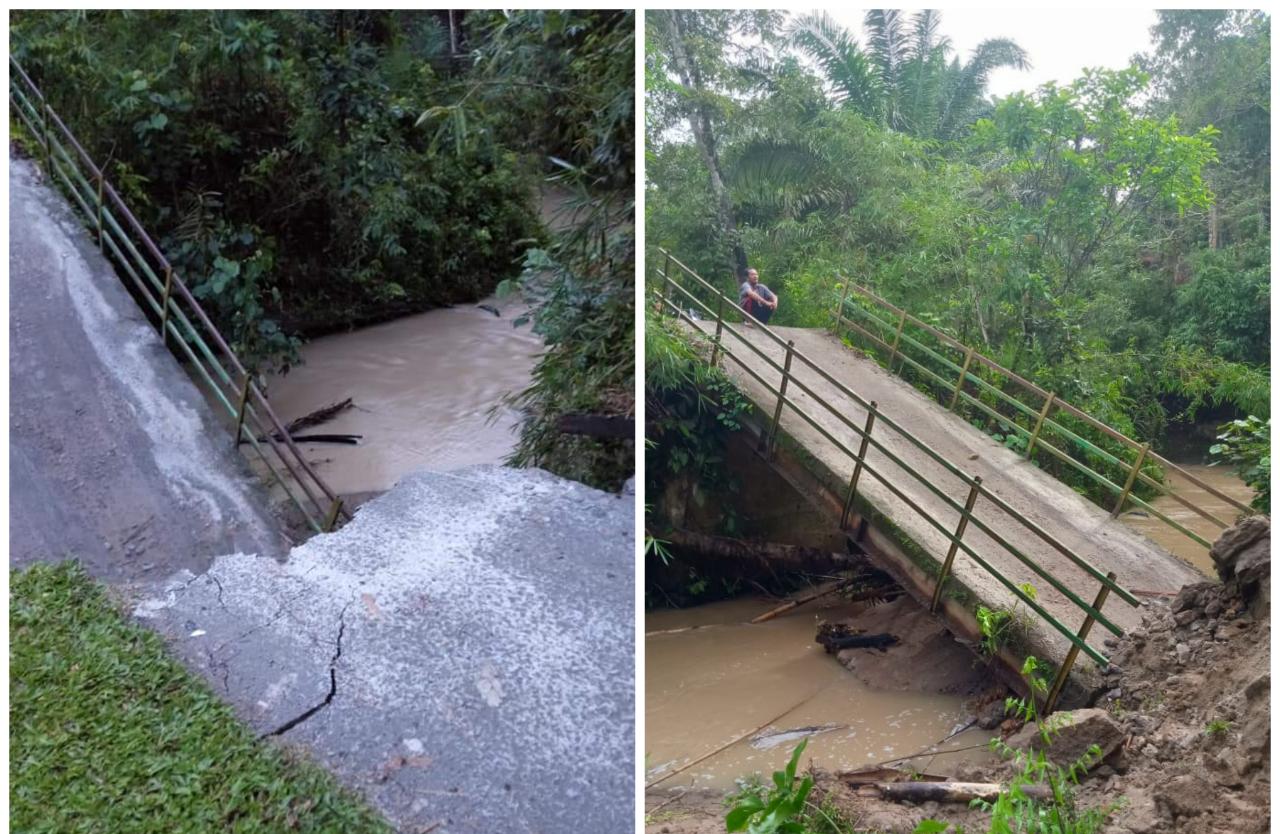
{"type": "Point", "coordinates": [108, 733]}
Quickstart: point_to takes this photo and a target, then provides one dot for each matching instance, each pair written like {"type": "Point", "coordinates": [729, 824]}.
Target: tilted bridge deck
{"type": "Point", "coordinates": [814, 408]}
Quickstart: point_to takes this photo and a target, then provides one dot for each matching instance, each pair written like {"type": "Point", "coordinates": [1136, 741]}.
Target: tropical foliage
{"type": "Point", "coordinates": [314, 170]}
{"type": "Point", "coordinates": [1107, 238]}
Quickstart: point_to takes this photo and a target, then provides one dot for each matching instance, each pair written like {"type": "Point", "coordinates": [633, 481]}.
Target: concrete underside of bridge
{"type": "Point", "coordinates": [913, 550]}
{"type": "Point", "coordinates": [461, 653]}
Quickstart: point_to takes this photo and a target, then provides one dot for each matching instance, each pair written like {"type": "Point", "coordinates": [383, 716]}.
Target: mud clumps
{"type": "Point", "coordinates": [1192, 690]}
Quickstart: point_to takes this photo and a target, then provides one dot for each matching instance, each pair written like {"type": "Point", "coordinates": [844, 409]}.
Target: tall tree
{"type": "Point", "coordinates": [702, 70]}
{"type": "Point", "coordinates": [902, 77]}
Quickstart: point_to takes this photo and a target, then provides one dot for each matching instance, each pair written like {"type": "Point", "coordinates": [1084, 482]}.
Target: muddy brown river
{"type": "Point", "coordinates": [422, 389]}
{"type": "Point", "coordinates": [711, 678]}
{"type": "Point", "coordinates": [1186, 549]}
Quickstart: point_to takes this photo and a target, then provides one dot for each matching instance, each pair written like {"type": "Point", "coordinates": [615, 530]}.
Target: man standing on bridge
{"type": "Point", "coordinates": [756, 298]}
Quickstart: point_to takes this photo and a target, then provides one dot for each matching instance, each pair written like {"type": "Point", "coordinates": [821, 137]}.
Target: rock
{"type": "Point", "coordinates": [1184, 618]}
{"type": "Point", "coordinates": [1140, 814]}
{"type": "Point", "coordinates": [1183, 651]}
{"type": "Point", "coordinates": [1187, 796]}
{"type": "Point", "coordinates": [1187, 598]}
{"type": "Point", "coordinates": [1150, 751]}
{"type": "Point", "coordinates": [1259, 687]}
{"type": "Point", "coordinates": [1235, 542]}
{"type": "Point", "coordinates": [990, 715]}
{"type": "Point", "coordinates": [1075, 732]}
{"type": "Point", "coordinates": [1255, 738]}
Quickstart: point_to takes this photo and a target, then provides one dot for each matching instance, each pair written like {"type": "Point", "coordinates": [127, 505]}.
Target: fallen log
{"type": "Point", "coordinates": [349, 439]}
{"type": "Point", "coordinates": [945, 791]}
{"type": "Point", "coordinates": [596, 425]}
{"type": "Point", "coordinates": [860, 641]}
{"type": "Point", "coordinates": [770, 557]}
{"type": "Point", "coordinates": [315, 418]}
{"type": "Point", "coordinates": [796, 603]}
{"type": "Point", "coordinates": [861, 596]}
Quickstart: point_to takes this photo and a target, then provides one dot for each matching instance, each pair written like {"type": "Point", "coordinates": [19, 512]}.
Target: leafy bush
{"type": "Point", "coordinates": [778, 810]}
{"type": "Point", "coordinates": [582, 285]}
{"type": "Point", "coordinates": [1246, 445]}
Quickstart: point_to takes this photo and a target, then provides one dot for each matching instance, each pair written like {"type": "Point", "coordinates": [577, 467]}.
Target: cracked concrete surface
{"type": "Point", "coordinates": [461, 652]}
{"type": "Point", "coordinates": [113, 459]}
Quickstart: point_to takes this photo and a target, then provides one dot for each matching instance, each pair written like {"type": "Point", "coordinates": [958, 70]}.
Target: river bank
{"type": "Point", "coordinates": [1184, 718]}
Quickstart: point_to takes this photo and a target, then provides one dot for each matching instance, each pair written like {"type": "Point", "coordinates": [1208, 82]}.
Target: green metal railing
{"type": "Point", "coordinates": [1117, 473]}
{"type": "Point", "coordinates": [182, 323]}
{"type": "Point", "coordinates": [672, 298]}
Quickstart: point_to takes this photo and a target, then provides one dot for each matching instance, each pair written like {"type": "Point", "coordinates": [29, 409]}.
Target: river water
{"type": "Point", "coordinates": [1186, 549]}
{"type": "Point", "coordinates": [422, 389]}
{"type": "Point", "coordinates": [711, 678]}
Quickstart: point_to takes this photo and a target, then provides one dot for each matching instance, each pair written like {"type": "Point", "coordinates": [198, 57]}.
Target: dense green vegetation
{"type": "Point", "coordinates": [1108, 239]}
{"type": "Point", "coordinates": [107, 733]}
{"type": "Point", "coordinates": [313, 170]}
{"type": "Point", "coordinates": [582, 286]}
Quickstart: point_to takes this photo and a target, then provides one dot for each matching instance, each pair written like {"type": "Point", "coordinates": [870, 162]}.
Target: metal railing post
{"type": "Point", "coordinates": [964, 373]}
{"type": "Point", "coordinates": [955, 543]}
{"type": "Point", "coordinates": [164, 310]}
{"type": "Point", "coordinates": [715, 346]}
{"type": "Point", "coordinates": [840, 310]}
{"type": "Point", "coordinates": [1060, 681]}
{"type": "Point", "coordinates": [897, 337]}
{"type": "Point", "coordinates": [332, 518]}
{"type": "Point", "coordinates": [101, 229]}
{"type": "Point", "coordinates": [857, 464]}
{"type": "Point", "coordinates": [1035, 433]}
{"type": "Point", "coordinates": [782, 394]}
{"type": "Point", "coordinates": [1133, 474]}
{"type": "Point", "coordinates": [667, 283]}
{"type": "Point", "coordinates": [242, 406]}
{"type": "Point", "coordinates": [48, 141]}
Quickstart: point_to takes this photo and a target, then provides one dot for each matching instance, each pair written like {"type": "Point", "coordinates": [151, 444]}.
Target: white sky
{"type": "Point", "coordinates": [1059, 42]}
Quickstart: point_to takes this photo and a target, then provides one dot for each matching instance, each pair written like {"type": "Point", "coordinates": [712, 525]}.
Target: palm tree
{"type": "Point", "coordinates": [903, 78]}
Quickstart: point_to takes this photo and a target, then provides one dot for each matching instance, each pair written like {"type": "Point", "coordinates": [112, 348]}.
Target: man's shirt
{"type": "Point", "coordinates": [760, 289]}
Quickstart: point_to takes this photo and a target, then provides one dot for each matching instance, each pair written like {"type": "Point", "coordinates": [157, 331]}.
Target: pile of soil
{"type": "Point", "coordinates": [1184, 719]}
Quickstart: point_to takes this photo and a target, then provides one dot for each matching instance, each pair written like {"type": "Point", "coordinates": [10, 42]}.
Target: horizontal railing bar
{"type": "Point", "coordinates": [1168, 492]}
{"type": "Point", "coordinates": [1025, 383]}
{"type": "Point", "coordinates": [1167, 520]}
{"type": "Point", "coordinates": [1167, 464]}
{"type": "Point", "coordinates": [867, 334]}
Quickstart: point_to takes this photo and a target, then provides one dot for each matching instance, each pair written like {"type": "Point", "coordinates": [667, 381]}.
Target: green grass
{"type": "Point", "coordinates": [108, 734]}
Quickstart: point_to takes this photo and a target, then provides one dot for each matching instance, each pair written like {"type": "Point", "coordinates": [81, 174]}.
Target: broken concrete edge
{"type": "Point", "coordinates": [917, 570]}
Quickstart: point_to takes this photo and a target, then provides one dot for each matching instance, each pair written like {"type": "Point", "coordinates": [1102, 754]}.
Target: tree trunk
{"type": "Point", "coordinates": [946, 791]}
{"type": "Point", "coordinates": [704, 136]}
{"type": "Point", "coordinates": [769, 557]}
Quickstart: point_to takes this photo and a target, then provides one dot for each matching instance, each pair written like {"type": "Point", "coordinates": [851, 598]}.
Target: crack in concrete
{"type": "Point", "coordinates": [211, 575]}
{"type": "Point", "coordinates": [333, 682]}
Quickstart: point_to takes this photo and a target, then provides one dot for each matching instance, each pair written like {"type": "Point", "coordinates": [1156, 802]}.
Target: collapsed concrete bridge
{"type": "Point", "coordinates": [960, 520]}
